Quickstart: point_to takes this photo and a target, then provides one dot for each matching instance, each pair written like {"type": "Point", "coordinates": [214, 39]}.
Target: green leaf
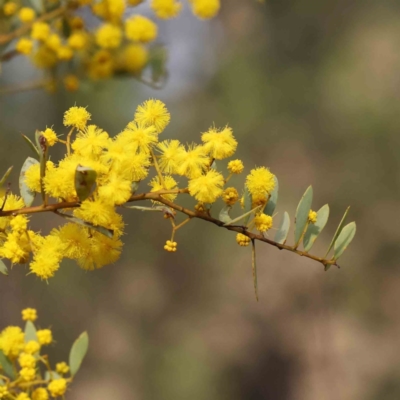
{"type": "Point", "coordinates": [78, 352]}
{"type": "Point", "coordinates": [85, 179]}
{"type": "Point", "coordinates": [5, 176]}
{"type": "Point", "coordinates": [104, 231]}
{"type": "Point", "coordinates": [32, 146]}
{"type": "Point", "coordinates": [224, 214]}
{"type": "Point", "coordinates": [327, 266]}
{"type": "Point", "coordinates": [302, 211]}
{"type": "Point", "coordinates": [283, 230]}
{"type": "Point", "coordinates": [344, 239]}
{"type": "Point", "coordinates": [273, 200]}
{"type": "Point", "coordinates": [247, 205]}
{"type": "Point", "coordinates": [6, 365]}
{"type": "Point", "coordinates": [157, 64]}
{"type": "Point", "coordinates": [27, 195]}
{"type": "Point", "coordinates": [30, 332]}
{"type": "Point", "coordinates": [338, 230]}
{"type": "Point", "coordinates": [314, 230]}
{"type": "Point", "coordinates": [48, 376]}
{"type": "Point", "coordinates": [3, 268]}
{"type": "Point", "coordinates": [242, 216]}
{"type": "Point", "coordinates": [254, 267]}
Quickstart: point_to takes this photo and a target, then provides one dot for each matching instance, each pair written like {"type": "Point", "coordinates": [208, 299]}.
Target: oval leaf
{"type": "Point", "coordinates": [338, 230]}
{"type": "Point", "coordinates": [30, 332]}
{"type": "Point", "coordinates": [302, 211]}
{"type": "Point", "coordinates": [273, 200]}
{"type": "Point", "coordinates": [6, 365]}
{"type": "Point", "coordinates": [5, 176]}
{"type": "Point", "coordinates": [85, 179]}
{"type": "Point", "coordinates": [247, 205]}
{"type": "Point", "coordinates": [50, 375]}
{"type": "Point", "coordinates": [27, 195]}
{"type": "Point", "coordinates": [314, 230]}
{"type": "Point", "coordinates": [78, 352]}
{"type": "Point", "coordinates": [31, 145]}
{"type": "Point", "coordinates": [283, 230]}
{"type": "Point", "coordinates": [224, 214]}
{"type": "Point", "coordinates": [344, 239]}
{"type": "Point", "coordinates": [3, 268]}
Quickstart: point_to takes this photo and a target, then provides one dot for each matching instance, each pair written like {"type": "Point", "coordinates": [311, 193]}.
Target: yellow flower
{"type": "Point", "coordinates": [140, 29]}
{"type": "Point", "coordinates": [135, 2]}
{"type": "Point", "coordinates": [62, 368]}
{"type": "Point", "coordinates": [205, 9]}
{"type": "Point", "coordinates": [219, 144]}
{"type": "Point", "coordinates": [312, 217]}
{"type": "Point", "coordinates": [166, 9]}
{"type": "Point", "coordinates": [10, 8]}
{"type": "Point", "coordinates": [192, 162]}
{"type": "Point", "coordinates": [32, 176]}
{"type": "Point", "coordinates": [44, 57]}
{"type": "Point", "coordinates": [153, 112]}
{"type": "Point", "coordinates": [133, 58]}
{"type": "Point", "coordinates": [141, 136]}
{"type": "Point", "coordinates": [32, 347]}
{"type": "Point", "coordinates": [53, 42]}
{"type": "Point", "coordinates": [170, 246]}
{"type": "Point", "coordinates": [263, 222]}
{"type": "Point", "coordinates": [19, 223]}
{"type": "Point", "coordinates": [109, 36]}
{"type": "Point", "coordinates": [78, 40]}
{"type": "Point", "coordinates": [12, 341]}
{"type": "Point", "coordinates": [260, 182]}
{"type": "Point", "coordinates": [242, 240]}
{"type": "Point", "coordinates": [169, 184]}
{"type": "Point", "coordinates": [29, 314]}
{"type": "Point", "coordinates": [40, 31]}
{"type": "Point", "coordinates": [97, 212]}
{"type": "Point", "coordinates": [64, 53]}
{"type": "Point", "coordinates": [230, 196]}
{"type": "Point", "coordinates": [171, 151]}
{"type": "Point", "coordinates": [24, 46]}
{"type": "Point", "coordinates": [90, 142]}
{"type": "Point", "coordinates": [26, 14]}
{"type": "Point", "coordinates": [50, 136]}
{"type": "Point", "coordinates": [116, 190]}
{"type": "Point", "coordinates": [23, 396]}
{"type": "Point", "coordinates": [235, 166]}
{"type": "Point", "coordinates": [44, 336]}
{"type": "Point", "coordinates": [3, 392]}
{"type": "Point", "coordinates": [15, 248]}
{"type": "Point", "coordinates": [207, 188]}
{"type": "Point", "coordinates": [40, 394]}
{"type": "Point", "coordinates": [76, 117]}
{"type": "Point", "coordinates": [27, 374]}
{"type": "Point", "coordinates": [27, 360]}
{"type": "Point", "coordinates": [57, 387]}
{"type": "Point", "coordinates": [75, 239]}
{"type": "Point", "coordinates": [71, 83]}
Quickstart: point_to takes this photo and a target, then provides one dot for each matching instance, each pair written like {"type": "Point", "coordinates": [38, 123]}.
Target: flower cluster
{"type": "Point", "coordinates": [58, 38]}
{"type": "Point", "coordinates": [25, 371]}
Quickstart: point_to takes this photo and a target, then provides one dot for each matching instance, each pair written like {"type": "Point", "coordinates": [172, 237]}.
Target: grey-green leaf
{"type": "Point", "coordinates": [104, 231]}
{"type": "Point", "coordinates": [344, 239]}
{"type": "Point", "coordinates": [314, 230]}
{"type": "Point", "coordinates": [273, 200]}
{"type": "Point", "coordinates": [254, 267]}
{"type": "Point", "coordinates": [338, 230]}
{"type": "Point", "coordinates": [78, 352]}
{"type": "Point", "coordinates": [157, 64]}
{"type": "Point", "coordinates": [48, 376]}
{"type": "Point", "coordinates": [302, 211]}
{"type": "Point", "coordinates": [224, 214]}
{"type": "Point", "coordinates": [283, 230]}
{"type": "Point", "coordinates": [27, 195]}
{"type": "Point", "coordinates": [6, 365]}
{"type": "Point", "coordinates": [5, 176]}
{"type": "Point", "coordinates": [247, 205]}
{"type": "Point", "coordinates": [30, 332]}
{"type": "Point", "coordinates": [31, 145]}
{"type": "Point", "coordinates": [327, 266]}
{"type": "Point", "coordinates": [85, 179]}
{"type": "Point", "coordinates": [3, 268]}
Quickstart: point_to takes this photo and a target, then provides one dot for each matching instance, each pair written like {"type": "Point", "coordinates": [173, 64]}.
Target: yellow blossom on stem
{"type": "Point", "coordinates": [115, 191]}
{"type": "Point", "coordinates": [26, 14]}
{"type": "Point", "coordinates": [219, 144]}
{"type": "Point", "coordinates": [57, 387]}
{"type": "Point", "coordinates": [171, 151]}
{"type": "Point", "coordinates": [90, 142]}
{"type": "Point", "coordinates": [135, 2]}
{"type": "Point", "coordinates": [141, 136]}
{"type": "Point", "coordinates": [170, 246]}
{"type": "Point", "coordinates": [260, 182]}
{"type": "Point", "coordinates": [32, 176]}
{"type": "Point", "coordinates": [235, 166]}
{"type": "Point", "coordinates": [230, 196]}
{"type": "Point", "coordinates": [78, 40]}
{"type": "Point", "coordinates": [166, 9]}
{"type": "Point", "coordinates": [24, 46]}
{"type": "Point", "coordinates": [29, 314]}
{"type": "Point", "coordinates": [40, 31]}
{"type": "Point", "coordinates": [40, 394]}
{"type": "Point", "coordinates": [192, 162]}
{"type": "Point", "coordinates": [140, 29]}
{"type": "Point", "coordinates": [50, 136]}
{"type": "Point", "coordinates": [109, 36]}
{"type": "Point", "coordinates": [44, 336]}
{"type": "Point", "coordinates": [76, 117]}
{"type": "Point", "coordinates": [169, 184]}
{"type": "Point", "coordinates": [71, 83]}
{"type": "Point", "coordinates": [12, 341]}
{"type": "Point", "coordinates": [62, 368]}
{"type": "Point", "coordinates": [32, 347]}
{"type": "Point", "coordinates": [207, 188]}
{"type": "Point", "coordinates": [312, 217]}
{"type": "Point", "coordinates": [64, 53]}
{"type": "Point", "coordinates": [242, 240]}
{"type": "Point", "coordinates": [263, 222]}
{"type": "Point", "coordinates": [22, 396]}
{"type": "Point", "coordinates": [153, 112]}
{"type": "Point", "coordinates": [205, 9]}
{"type": "Point", "coordinates": [27, 374]}
{"type": "Point", "coordinates": [53, 41]}
{"type": "Point", "coordinates": [133, 58]}
{"type": "Point", "coordinates": [3, 392]}
{"type": "Point", "coordinates": [10, 8]}
{"type": "Point", "coordinates": [27, 360]}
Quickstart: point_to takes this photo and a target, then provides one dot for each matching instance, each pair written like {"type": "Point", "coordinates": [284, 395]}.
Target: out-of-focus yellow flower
{"type": "Point", "coordinates": [24, 46]}
{"type": "Point", "coordinates": [140, 29]}
{"type": "Point", "coordinates": [166, 9]}
{"type": "Point", "coordinates": [26, 14]}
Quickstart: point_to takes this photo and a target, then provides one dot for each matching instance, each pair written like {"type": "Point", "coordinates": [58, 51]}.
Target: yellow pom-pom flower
{"type": "Point", "coordinates": [109, 36]}
{"type": "Point", "coordinates": [235, 166]}
{"type": "Point", "coordinates": [44, 336]}
{"type": "Point", "coordinates": [242, 240]}
{"type": "Point", "coordinates": [205, 9]}
{"type": "Point", "coordinates": [192, 162]}
{"type": "Point", "coordinates": [32, 347]}
{"type": "Point", "coordinates": [78, 40]}
{"type": "Point", "coordinates": [50, 136]}
{"type": "Point", "coordinates": [26, 14]}
{"type": "Point", "coordinates": [207, 188]}
{"type": "Point", "coordinates": [140, 29]}
{"type": "Point", "coordinates": [24, 46]}
{"type": "Point", "coordinates": [169, 184]}
{"type": "Point", "coordinates": [134, 3]}
{"type": "Point", "coordinates": [29, 314]}
{"type": "Point", "coordinates": [12, 341]}
{"type": "Point", "coordinates": [10, 8]}
{"type": "Point", "coordinates": [22, 396]}
{"type": "Point", "coordinates": [71, 83]}
{"type": "Point", "coordinates": [64, 53]}
{"type": "Point", "coordinates": [133, 58]}
{"type": "Point", "coordinates": [171, 151]}
{"type": "Point", "coordinates": [3, 392]}
{"type": "Point", "coordinates": [143, 137]}
{"type": "Point", "coordinates": [170, 246]}
{"type": "Point", "coordinates": [62, 368]}
{"type": "Point", "coordinates": [230, 196]}
{"type": "Point", "coordinates": [90, 142]}
{"type": "Point", "coordinates": [27, 360]}
{"type": "Point", "coordinates": [27, 374]}
{"type": "Point", "coordinates": [166, 9]}
{"type": "Point", "coordinates": [312, 217]}
{"type": "Point", "coordinates": [219, 144]}
{"type": "Point", "coordinates": [76, 117]}
{"type": "Point", "coordinates": [57, 387]}
{"type": "Point", "coordinates": [153, 112]}
{"type": "Point", "coordinates": [40, 31]}
{"type": "Point", "coordinates": [40, 394]}
{"type": "Point", "coordinates": [263, 222]}
{"type": "Point", "coordinates": [260, 182]}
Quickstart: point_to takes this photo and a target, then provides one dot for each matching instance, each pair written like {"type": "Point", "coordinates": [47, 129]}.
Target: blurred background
{"type": "Point", "coordinates": [310, 89]}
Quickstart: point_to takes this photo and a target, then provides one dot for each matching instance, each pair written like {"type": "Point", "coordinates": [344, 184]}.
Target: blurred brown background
{"type": "Point", "coordinates": [311, 89]}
